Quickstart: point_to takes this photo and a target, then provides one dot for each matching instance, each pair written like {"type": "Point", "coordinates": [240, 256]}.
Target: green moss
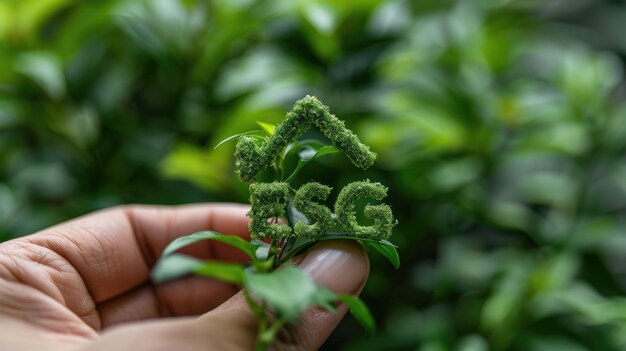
{"type": "Point", "coordinates": [268, 202]}
{"type": "Point", "coordinates": [252, 158]}
{"type": "Point", "coordinates": [381, 214]}
{"type": "Point", "coordinates": [320, 215]}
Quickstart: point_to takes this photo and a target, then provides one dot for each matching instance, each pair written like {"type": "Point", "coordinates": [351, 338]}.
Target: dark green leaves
{"type": "Point", "coordinates": [385, 248]}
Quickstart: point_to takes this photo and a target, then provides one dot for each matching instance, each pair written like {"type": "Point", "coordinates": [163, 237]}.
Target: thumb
{"type": "Point", "coordinates": [339, 265]}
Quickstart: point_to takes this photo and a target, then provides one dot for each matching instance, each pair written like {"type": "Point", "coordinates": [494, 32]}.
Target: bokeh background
{"type": "Point", "coordinates": [500, 125]}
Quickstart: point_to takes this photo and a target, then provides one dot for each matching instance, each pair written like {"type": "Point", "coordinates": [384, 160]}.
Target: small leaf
{"type": "Point", "coordinates": [267, 127]}
{"type": "Point", "coordinates": [288, 291]}
{"type": "Point", "coordinates": [228, 272]}
{"type": "Point", "coordinates": [262, 251]}
{"type": "Point", "coordinates": [389, 252]}
{"type": "Point", "coordinates": [360, 311]}
{"type": "Point", "coordinates": [326, 299]}
{"type": "Point", "coordinates": [231, 240]}
{"type": "Point", "coordinates": [257, 133]}
{"type": "Point", "coordinates": [306, 158]}
{"type": "Point", "coordinates": [173, 266]}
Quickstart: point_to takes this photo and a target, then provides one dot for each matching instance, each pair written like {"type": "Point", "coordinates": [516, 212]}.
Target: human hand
{"type": "Point", "coordinates": [84, 285]}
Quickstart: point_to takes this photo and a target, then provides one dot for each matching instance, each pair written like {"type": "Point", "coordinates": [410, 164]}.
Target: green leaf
{"type": "Point", "coordinates": [384, 247]}
{"type": "Point", "coordinates": [228, 272]}
{"type": "Point", "coordinates": [231, 240]}
{"type": "Point", "coordinates": [262, 251]}
{"type": "Point", "coordinates": [326, 299]}
{"type": "Point", "coordinates": [44, 68]}
{"type": "Point", "coordinates": [267, 127]}
{"type": "Point", "coordinates": [257, 133]}
{"type": "Point", "coordinates": [288, 291]}
{"type": "Point", "coordinates": [173, 266]}
{"type": "Point", "coordinates": [389, 252]}
{"type": "Point", "coordinates": [360, 311]}
{"type": "Point", "coordinates": [333, 236]}
{"type": "Point", "coordinates": [307, 155]}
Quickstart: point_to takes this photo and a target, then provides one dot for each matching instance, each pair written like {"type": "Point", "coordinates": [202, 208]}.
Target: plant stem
{"type": "Point", "coordinates": [267, 335]}
{"type": "Point", "coordinates": [253, 305]}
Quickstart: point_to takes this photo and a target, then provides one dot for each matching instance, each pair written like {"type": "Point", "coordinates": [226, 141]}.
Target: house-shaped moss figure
{"type": "Point", "coordinates": [252, 158]}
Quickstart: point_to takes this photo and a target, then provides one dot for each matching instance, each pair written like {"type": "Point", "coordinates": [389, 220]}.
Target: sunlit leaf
{"type": "Point", "coordinates": [267, 127]}
{"type": "Point", "coordinates": [191, 163]}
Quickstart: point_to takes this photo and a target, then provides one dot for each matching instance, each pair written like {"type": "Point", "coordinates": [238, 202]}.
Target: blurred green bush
{"type": "Point", "coordinates": [500, 125]}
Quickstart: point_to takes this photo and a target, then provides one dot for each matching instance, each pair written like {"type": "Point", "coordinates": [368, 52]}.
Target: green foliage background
{"type": "Point", "coordinates": [500, 126]}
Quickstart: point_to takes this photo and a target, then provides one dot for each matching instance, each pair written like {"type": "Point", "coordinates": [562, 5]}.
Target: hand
{"type": "Point", "coordinates": [84, 285]}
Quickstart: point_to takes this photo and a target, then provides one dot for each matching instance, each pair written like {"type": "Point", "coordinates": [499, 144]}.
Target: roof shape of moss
{"type": "Point", "coordinates": [252, 158]}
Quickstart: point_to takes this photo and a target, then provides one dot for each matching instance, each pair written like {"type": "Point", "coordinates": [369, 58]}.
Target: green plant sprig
{"type": "Point", "coordinates": [278, 293]}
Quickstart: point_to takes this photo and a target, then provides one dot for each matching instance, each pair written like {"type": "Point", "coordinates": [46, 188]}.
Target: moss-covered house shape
{"type": "Point", "coordinates": [252, 158]}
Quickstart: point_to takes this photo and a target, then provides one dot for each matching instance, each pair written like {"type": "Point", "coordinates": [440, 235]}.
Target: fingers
{"type": "Point", "coordinates": [114, 250]}
{"type": "Point", "coordinates": [340, 266]}
{"type": "Point", "coordinates": [183, 297]}
{"type": "Point", "coordinates": [155, 227]}
{"type": "Point", "coordinates": [105, 258]}
{"type": "Point", "coordinates": [187, 296]}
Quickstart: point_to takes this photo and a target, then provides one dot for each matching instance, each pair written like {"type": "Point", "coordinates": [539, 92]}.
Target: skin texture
{"type": "Point", "coordinates": [83, 285]}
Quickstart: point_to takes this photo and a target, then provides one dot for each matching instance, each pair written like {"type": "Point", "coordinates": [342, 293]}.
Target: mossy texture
{"type": "Point", "coordinates": [320, 216]}
{"type": "Point", "coordinates": [252, 158]}
{"type": "Point", "coordinates": [268, 202]}
{"type": "Point", "coordinates": [381, 214]}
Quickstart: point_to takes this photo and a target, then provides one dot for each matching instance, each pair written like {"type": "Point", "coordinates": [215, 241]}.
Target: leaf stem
{"type": "Point", "coordinates": [267, 335]}
{"type": "Point", "coordinates": [258, 310]}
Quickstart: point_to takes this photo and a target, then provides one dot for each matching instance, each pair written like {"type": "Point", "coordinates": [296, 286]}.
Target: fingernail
{"type": "Point", "coordinates": [338, 265]}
